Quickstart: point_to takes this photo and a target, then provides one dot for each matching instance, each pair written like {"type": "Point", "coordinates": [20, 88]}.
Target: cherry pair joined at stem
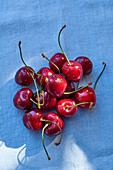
{"type": "Point", "coordinates": [52, 124]}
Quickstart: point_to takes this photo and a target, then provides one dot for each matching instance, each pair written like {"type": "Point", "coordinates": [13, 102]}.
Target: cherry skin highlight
{"type": "Point", "coordinates": [53, 129]}
{"type": "Point", "coordinates": [56, 85]}
{"type": "Point", "coordinates": [72, 72]}
{"type": "Point", "coordinates": [65, 111]}
{"type": "Point", "coordinates": [87, 94]}
{"type": "Point", "coordinates": [23, 76]}
{"type": "Point", "coordinates": [58, 59]}
{"type": "Point", "coordinates": [32, 119]}
{"type": "Point", "coordinates": [86, 64]}
{"type": "Point", "coordinates": [70, 88]}
{"type": "Point", "coordinates": [49, 101]}
{"type": "Point", "coordinates": [45, 73]}
{"type": "Point", "coordinates": [22, 100]}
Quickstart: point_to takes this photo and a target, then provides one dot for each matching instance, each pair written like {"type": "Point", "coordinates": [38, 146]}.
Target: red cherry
{"type": "Point", "coordinates": [53, 129]}
{"type": "Point", "coordinates": [45, 73]}
{"type": "Point", "coordinates": [56, 85]}
{"type": "Point", "coordinates": [32, 119]}
{"type": "Point", "coordinates": [58, 59]}
{"type": "Point", "coordinates": [86, 64]}
{"type": "Point", "coordinates": [23, 76]}
{"type": "Point", "coordinates": [87, 94]}
{"type": "Point", "coordinates": [72, 72]}
{"type": "Point", "coordinates": [49, 101]}
{"type": "Point", "coordinates": [22, 100]}
{"type": "Point", "coordinates": [65, 111]}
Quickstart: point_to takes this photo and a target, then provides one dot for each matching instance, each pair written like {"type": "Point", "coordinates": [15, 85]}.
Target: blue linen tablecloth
{"type": "Point", "coordinates": [87, 142]}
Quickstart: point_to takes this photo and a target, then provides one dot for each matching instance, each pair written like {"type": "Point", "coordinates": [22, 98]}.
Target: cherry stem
{"type": "Point", "coordinates": [19, 44]}
{"type": "Point", "coordinates": [41, 85]}
{"type": "Point", "coordinates": [99, 75]}
{"type": "Point", "coordinates": [81, 104]}
{"type": "Point", "coordinates": [77, 85]}
{"type": "Point", "coordinates": [49, 121]}
{"type": "Point", "coordinates": [43, 141]}
{"type": "Point", "coordinates": [61, 46]}
{"type": "Point", "coordinates": [78, 89]}
{"type": "Point", "coordinates": [36, 102]}
{"type": "Point", "coordinates": [36, 91]}
{"type": "Point", "coordinates": [44, 56]}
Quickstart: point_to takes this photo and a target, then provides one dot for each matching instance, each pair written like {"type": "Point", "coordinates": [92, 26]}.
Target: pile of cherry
{"type": "Point", "coordinates": [57, 87]}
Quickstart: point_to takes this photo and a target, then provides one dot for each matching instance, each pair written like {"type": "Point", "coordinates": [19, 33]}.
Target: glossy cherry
{"type": "Point", "coordinates": [63, 109]}
{"type": "Point", "coordinates": [72, 70]}
{"type": "Point", "coordinates": [32, 119]}
{"type": "Point", "coordinates": [56, 85]}
{"type": "Point", "coordinates": [86, 64]}
{"type": "Point", "coordinates": [58, 59]}
{"type": "Point", "coordinates": [53, 129]}
{"type": "Point", "coordinates": [49, 101]}
{"type": "Point", "coordinates": [23, 76]}
{"type": "Point", "coordinates": [22, 100]}
{"type": "Point", "coordinates": [70, 88]}
{"type": "Point", "coordinates": [45, 73]}
{"type": "Point", "coordinates": [87, 94]}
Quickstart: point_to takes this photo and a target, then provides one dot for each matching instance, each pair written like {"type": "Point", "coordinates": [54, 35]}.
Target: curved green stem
{"type": "Point", "coordinates": [44, 56]}
{"type": "Point", "coordinates": [41, 84]}
{"type": "Point", "coordinates": [49, 121]}
{"type": "Point", "coordinates": [43, 141]}
{"type": "Point", "coordinates": [78, 89]}
{"type": "Point", "coordinates": [61, 46]}
{"type": "Point", "coordinates": [36, 91]}
{"type": "Point", "coordinates": [99, 75]}
{"type": "Point", "coordinates": [19, 44]}
{"type": "Point", "coordinates": [78, 104]}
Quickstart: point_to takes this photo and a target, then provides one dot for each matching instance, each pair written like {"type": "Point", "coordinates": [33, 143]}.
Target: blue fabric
{"type": "Point", "coordinates": [87, 142]}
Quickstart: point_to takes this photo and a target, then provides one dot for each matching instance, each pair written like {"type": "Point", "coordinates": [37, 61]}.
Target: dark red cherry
{"type": "Point", "coordinates": [49, 101]}
{"type": "Point", "coordinates": [23, 76]}
{"type": "Point", "coordinates": [72, 72]}
{"type": "Point", "coordinates": [87, 94]}
{"type": "Point", "coordinates": [53, 129]}
{"type": "Point", "coordinates": [58, 59]}
{"type": "Point", "coordinates": [45, 73]}
{"type": "Point", "coordinates": [32, 119]}
{"type": "Point", "coordinates": [63, 109]}
{"type": "Point", "coordinates": [86, 64]}
{"type": "Point", "coordinates": [56, 85]}
{"type": "Point", "coordinates": [22, 100]}
{"type": "Point", "coordinates": [70, 88]}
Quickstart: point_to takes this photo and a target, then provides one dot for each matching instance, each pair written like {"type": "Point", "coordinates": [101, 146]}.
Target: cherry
{"type": "Point", "coordinates": [23, 76]}
{"type": "Point", "coordinates": [56, 85]}
{"type": "Point", "coordinates": [45, 73]}
{"type": "Point", "coordinates": [70, 88]}
{"type": "Point", "coordinates": [53, 125]}
{"type": "Point", "coordinates": [22, 100]}
{"type": "Point", "coordinates": [86, 64]}
{"type": "Point", "coordinates": [87, 94]}
{"type": "Point", "coordinates": [65, 111]}
{"type": "Point", "coordinates": [58, 59]}
{"type": "Point", "coordinates": [53, 129]}
{"type": "Point", "coordinates": [49, 101]}
{"type": "Point", "coordinates": [32, 119]}
{"type": "Point", "coordinates": [72, 70]}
